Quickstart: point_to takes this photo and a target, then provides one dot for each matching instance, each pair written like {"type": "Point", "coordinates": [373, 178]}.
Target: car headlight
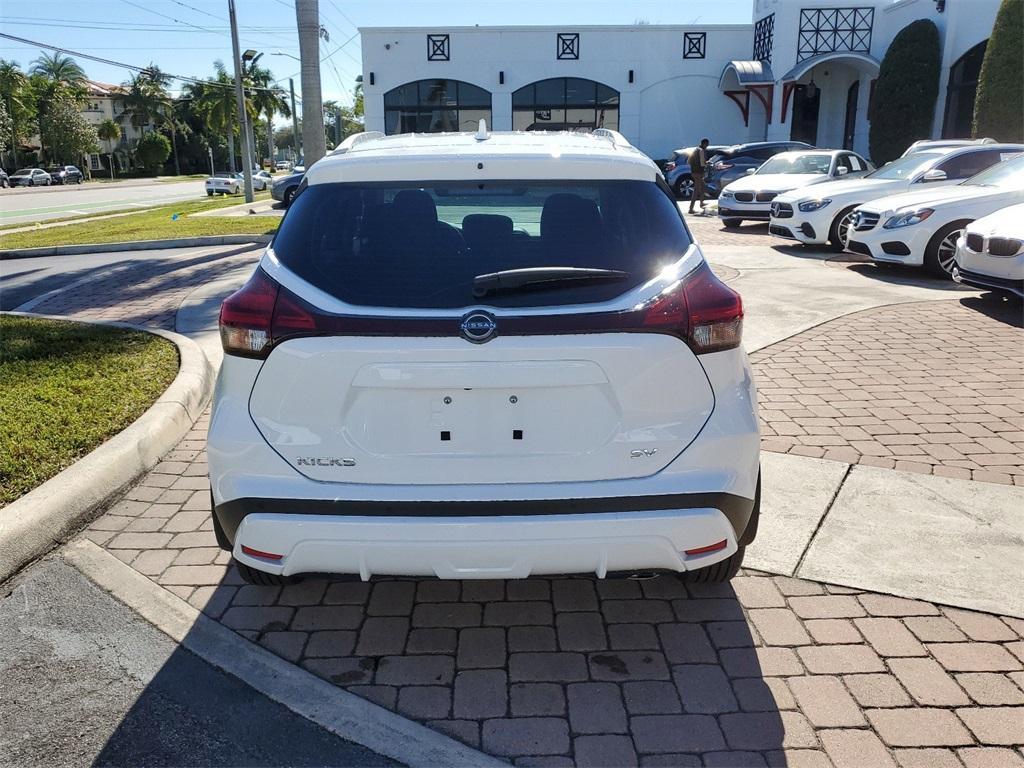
{"type": "Point", "coordinates": [813, 205]}
{"type": "Point", "coordinates": [727, 193]}
{"type": "Point", "coordinates": [907, 218]}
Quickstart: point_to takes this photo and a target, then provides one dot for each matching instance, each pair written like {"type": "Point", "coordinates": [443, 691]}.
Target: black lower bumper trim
{"type": "Point", "coordinates": [732, 213]}
{"type": "Point", "coordinates": [979, 280]}
{"type": "Point", "coordinates": [738, 510]}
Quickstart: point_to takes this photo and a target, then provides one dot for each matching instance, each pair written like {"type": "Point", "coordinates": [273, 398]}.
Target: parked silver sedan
{"type": "Point", "coordinates": [30, 177]}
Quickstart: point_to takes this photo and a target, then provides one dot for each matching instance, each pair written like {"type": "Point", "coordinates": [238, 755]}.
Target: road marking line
{"type": "Point", "coordinates": [332, 708]}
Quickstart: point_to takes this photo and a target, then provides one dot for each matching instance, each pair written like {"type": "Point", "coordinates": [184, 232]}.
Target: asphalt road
{"type": "Point", "coordinates": [24, 279]}
{"type": "Point", "coordinates": [87, 682]}
{"type": "Point", "coordinates": [27, 205]}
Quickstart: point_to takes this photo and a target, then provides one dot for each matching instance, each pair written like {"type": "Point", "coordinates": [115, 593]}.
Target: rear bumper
{"type": "Point", "coordinates": [506, 547]}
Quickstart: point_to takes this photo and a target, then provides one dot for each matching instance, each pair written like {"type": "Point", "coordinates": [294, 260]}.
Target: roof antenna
{"type": "Point", "coordinates": [481, 131]}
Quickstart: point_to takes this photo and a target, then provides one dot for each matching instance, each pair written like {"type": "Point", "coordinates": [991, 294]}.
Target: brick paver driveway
{"type": "Point", "coordinates": [558, 671]}
{"type": "Point", "coordinates": [936, 387]}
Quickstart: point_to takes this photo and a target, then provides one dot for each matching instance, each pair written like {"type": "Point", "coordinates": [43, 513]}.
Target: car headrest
{"type": "Point", "coordinates": [414, 208]}
{"type": "Point", "coordinates": [569, 215]}
{"type": "Point", "coordinates": [486, 228]}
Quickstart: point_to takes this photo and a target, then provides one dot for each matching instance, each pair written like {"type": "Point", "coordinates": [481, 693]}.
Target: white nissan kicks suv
{"type": "Point", "coordinates": [484, 356]}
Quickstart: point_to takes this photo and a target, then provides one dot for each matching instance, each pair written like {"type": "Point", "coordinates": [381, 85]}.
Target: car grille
{"type": "Point", "coordinates": [744, 197]}
{"type": "Point", "coordinates": [864, 220]}
{"type": "Point", "coordinates": [975, 242]}
{"type": "Point", "coordinates": [782, 210]}
{"type": "Point", "coordinates": [765, 197]}
{"type": "Point", "coordinates": [1003, 246]}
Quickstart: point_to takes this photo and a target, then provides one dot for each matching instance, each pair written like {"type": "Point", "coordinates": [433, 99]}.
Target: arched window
{"type": "Point", "coordinates": [565, 103]}
{"type": "Point", "coordinates": [963, 85]}
{"type": "Point", "coordinates": [434, 106]}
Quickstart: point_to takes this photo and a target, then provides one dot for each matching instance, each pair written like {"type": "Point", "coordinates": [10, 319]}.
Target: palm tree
{"type": "Point", "coordinates": [148, 101]}
{"type": "Point", "coordinates": [314, 141]}
{"type": "Point", "coordinates": [59, 68]}
{"type": "Point", "coordinates": [266, 100]}
{"type": "Point", "coordinates": [17, 99]}
{"type": "Point", "coordinates": [214, 101]}
{"type": "Point", "coordinates": [108, 132]}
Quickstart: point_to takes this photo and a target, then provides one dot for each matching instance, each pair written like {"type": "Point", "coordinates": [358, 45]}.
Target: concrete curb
{"type": "Point", "coordinates": [334, 709]}
{"type": "Point", "coordinates": [134, 245]}
{"type": "Point", "coordinates": [48, 514]}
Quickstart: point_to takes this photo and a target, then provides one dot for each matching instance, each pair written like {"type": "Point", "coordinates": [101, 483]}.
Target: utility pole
{"type": "Point", "coordinates": [296, 136]}
{"type": "Point", "coordinates": [243, 118]}
{"type": "Point", "coordinates": [314, 142]}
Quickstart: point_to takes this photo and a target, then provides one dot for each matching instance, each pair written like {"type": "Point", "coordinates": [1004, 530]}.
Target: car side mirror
{"type": "Point", "coordinates": [842, 170]}
{"type": "Point", "coordinates": [751, 170]}
{"type": "Point", "coordinates": [934, 175]}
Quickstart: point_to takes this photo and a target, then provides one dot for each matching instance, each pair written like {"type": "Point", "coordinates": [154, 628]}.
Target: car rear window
{"type": "Point", "coordinates": [387, 245]}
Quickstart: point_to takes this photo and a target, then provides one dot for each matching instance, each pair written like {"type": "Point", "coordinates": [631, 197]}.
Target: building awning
{"type": "Point", "coordinates": [748, 73]}
{"type": "Point", "coordinates": [860, 60]}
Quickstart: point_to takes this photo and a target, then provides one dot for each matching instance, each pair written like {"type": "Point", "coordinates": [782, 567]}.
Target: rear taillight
{"type": "Point", "coordinates": [702, 309]}
{"type": "Point", "coordinates": [260, 313]}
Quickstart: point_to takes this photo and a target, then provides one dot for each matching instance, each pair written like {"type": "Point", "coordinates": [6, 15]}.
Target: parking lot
{"type": "Point", "coordinates": [854, 637]}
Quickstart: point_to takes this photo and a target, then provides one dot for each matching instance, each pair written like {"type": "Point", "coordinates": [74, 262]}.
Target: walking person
{"type": "Point", "coordinates": [698, 167]}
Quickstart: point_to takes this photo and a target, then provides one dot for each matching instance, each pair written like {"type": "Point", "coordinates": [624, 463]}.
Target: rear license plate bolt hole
{"type": "Point", "coordinates": [446, 435]}
{"type": "Point", "coordinates": [517, 434]}
{"type": "Point", "coordinates": [447, 401]}
{"type": "Point", "coordinates": [513, 399]}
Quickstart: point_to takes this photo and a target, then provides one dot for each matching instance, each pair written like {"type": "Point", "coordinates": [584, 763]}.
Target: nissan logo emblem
{"type": "Point", "coordinates": [478, 327]}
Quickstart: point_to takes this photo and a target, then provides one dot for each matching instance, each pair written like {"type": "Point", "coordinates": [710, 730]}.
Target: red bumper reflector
{"type": "Point", "coordinates": [699, 550]}
{"type": "Point", "coordinates": [256, 553]}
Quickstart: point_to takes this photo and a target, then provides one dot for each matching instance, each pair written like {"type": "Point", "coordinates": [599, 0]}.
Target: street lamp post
{"type": "Point", "coordinates": [243, 120]}
{"type": "Point", "coordinates": [297, 138]}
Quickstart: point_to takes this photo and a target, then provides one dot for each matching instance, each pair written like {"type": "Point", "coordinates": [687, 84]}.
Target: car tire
{"type": "Point", "coordinates": [288, 195]}
{"type": "Point", "coordinates": [731, 223]}
{"type": "Point", "coordinates": [262, 578]}
{"type": "Point", "coordinates": [716, 573]}
{"type": "Point", "coordinates": [838, 231]}
{"type": "Point", "coordinates": [684, 187]}
{"type": "Point", "coordinates": [209, 194]}
{"type": "Point", "coordinates": [31, 182]}
{"type": "Point", "coordinates": [941, 250]}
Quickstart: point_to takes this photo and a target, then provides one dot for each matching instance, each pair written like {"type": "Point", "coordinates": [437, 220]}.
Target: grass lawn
{"type": "Point", "coordinates": [165, 221]}
{"type": "Point", "coordinates": [65, 388]}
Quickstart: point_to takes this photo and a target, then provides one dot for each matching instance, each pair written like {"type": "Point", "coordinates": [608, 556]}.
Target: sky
{"type": "Point", "coordinates": [184, 37]}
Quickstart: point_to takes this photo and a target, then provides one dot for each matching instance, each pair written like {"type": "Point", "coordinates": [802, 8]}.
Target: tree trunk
{"type": "Point", "coordinates": [174, 146]}
{"type": "Point", "coordinates": [270, 140]}
{"type": "Point", "coordinates": [314, 142]}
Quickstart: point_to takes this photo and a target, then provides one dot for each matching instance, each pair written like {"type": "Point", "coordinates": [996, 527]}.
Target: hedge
{"type": "Point", "coordinates": [999, 104]}
{"type": "Point", "coordinates": [904, 100]}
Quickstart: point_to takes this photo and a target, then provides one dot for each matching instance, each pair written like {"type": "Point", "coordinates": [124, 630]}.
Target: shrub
{"type": "Point", "coordinates": [999, 104]}
{"type": "Point", "coordinates": [152, 150]}
{"type": "Point", "coordinates": [908, 83]}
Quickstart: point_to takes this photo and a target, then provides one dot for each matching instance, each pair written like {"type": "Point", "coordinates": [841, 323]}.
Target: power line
{"type": "Point", "coordinates": [164, 15]}
{"type": "Point", "coordinates": [198, 10]}
{"type": "Point", "coordinates": [124, 65]}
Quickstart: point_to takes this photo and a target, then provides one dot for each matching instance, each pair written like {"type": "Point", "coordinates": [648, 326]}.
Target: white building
{"type": "Point", "coordinates": [105, 101]}
{"type": "Point", "coordinates": [798, 70]}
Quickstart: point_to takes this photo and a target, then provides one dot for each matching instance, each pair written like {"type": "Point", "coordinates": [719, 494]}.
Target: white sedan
{"type": "Point", "coordinates": [750, 196]}
{"type": "Point", "coordinates": [821, 214]}
{"type": "Point", "coordinates": [991, 252]}
{"type": "Point", "coordinates": [233, 183]}
{"type": "Point", "coordinates": [225, 183]}
{"type": "Point", "coordinates": [922, 228]}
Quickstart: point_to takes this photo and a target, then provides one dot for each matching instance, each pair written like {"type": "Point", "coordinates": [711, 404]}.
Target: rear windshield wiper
{"type": "Point", "coordinates": [541, 278]}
